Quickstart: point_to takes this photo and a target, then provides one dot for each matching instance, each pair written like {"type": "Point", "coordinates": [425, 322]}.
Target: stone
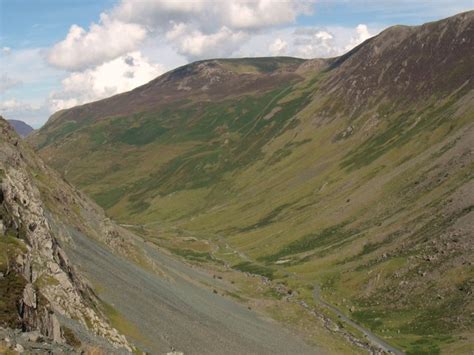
{"type": "Point", "coordinates": [34, 336]}
{"type": "Point", "coordinates": [29, 296]}
{"type": "Point", "coordinates": [56, 329]}
{"type": "Point", "coordinates": [19, 348]}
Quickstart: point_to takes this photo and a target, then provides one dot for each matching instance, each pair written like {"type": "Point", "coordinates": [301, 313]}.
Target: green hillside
{"type": "Point", "coordinates": [353, 173]}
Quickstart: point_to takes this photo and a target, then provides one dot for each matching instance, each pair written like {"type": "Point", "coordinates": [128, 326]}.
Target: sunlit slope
{"type": "Point", "coordinates": [354, 173]}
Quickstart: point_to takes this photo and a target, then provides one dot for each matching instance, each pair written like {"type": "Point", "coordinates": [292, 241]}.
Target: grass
{"type": "Point", "coordinates": [266, 220]}
{"type": "Point", "coordinates": [45, 280]}
{"type": "Point", "coordinates": [144, 134]}
{"type": "Point", "coordinates": [312, 241]}
{"type": "Point", "coordinates": [265, 65]}
{"type": "Point", "coordinates": [256, 269]}
{"type": "Point", "coordinates": [70, 337]}
{"type": "Point", "coordinates": [120, 323]}
{"type": "Point", "coordinates": [284, 152]}
{"type": "Point", "coordinates": [109, 198]}
{"type": "Point", "coordinates": [11, 292]}
{"type": "Point", "coordinates": [193, 255]}
{"type": "Point", "coordinates": [11, 284]}
{"type": "Point", "coordinates": [401, 128]}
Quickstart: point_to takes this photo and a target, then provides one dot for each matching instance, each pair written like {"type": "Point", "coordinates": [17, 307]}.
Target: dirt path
{"type": "Point", "coordinates": [178, 312]}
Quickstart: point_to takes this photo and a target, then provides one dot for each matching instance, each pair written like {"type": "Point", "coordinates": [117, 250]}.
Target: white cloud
{"type": "Point", "coordinates": [278, 47]}
{"type": "Point", "coordinates": [197, 29]}
{"type": "Point", "coordinates": [211, 28]}
{"type": "Point", "coordinates": [313, 42]}
{"type": "Point", "coordinates": [7, 82]}
{"type": "Point", "coordinates": [157, 13]}
{"type": "Point", "coordinates": [362, 33]}
{"type": "Point", "coordinates": [118, 75]}
{"type": "Point", "coordinates": [25, 80]}
{"type": "Point", "coordinates": [104, 41]}
{"type": "Point", "coordinates": [327, 42]}
{"type": "Point", "coordinates": [56, 103]}
{"type": "Point", "coordinates": [209, 16]}
{"type": "Point", "coordinates": [31, 113]}
{"type": "Point", "coordinates": [14, 106]}
{"type": "Point", "coordinates": [245, 14]}
{"type": "Point", "coordinates": [194, 44]}
{"type": "Point", "coordinates": [306, 42]}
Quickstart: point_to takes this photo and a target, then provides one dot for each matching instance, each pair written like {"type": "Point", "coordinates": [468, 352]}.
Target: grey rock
{"type": "Point", "coordinates": [19, 348]}
{"type": "Point", "coordinates": [29, 296]}
{"type": "Point", "coordinates": [34, 336]}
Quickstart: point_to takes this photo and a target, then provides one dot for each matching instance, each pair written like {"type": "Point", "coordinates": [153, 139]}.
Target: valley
{"type": "Point", "coordinates": [263, 205]}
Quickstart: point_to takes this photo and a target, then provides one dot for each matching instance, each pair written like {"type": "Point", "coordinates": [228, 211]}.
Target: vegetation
{"type": "Point", "coordinates": [71, 337]}
{"type": "Point", "coordinates": [306, 178]}
{"type": "Point", "coordinates": [11, 284]}
{"type": "Point", "coordinates": [254, 269]}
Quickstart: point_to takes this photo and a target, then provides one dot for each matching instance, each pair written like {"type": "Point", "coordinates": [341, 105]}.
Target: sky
{"type": "Point", "coordinates": [55, 54]}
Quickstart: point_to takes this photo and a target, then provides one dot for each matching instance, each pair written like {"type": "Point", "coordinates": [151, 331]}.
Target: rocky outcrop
{"type": "Point", "coordinates": [31, 343]}
{"type": "Point", "coordinates": [52, 287]}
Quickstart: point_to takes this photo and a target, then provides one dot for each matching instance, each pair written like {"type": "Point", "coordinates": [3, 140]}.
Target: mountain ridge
{"type": "Point", "coordinates": [22, 128]}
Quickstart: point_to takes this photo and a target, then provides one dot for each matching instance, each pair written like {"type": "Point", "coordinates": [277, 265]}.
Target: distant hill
{"type": "Point", "coordinates": [354, 173]}
{"type": "Point", "coordinates": [23, 129]}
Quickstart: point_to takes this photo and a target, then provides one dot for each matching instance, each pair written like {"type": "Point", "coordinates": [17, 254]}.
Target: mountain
{"type": "Point", "coordinates": [21, 127]}
{"type": "Point", "coordinates": [351, 175]}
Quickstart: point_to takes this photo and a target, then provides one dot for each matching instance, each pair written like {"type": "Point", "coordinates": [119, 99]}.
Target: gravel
{"type": "Point", "coordinates": [177, 312]}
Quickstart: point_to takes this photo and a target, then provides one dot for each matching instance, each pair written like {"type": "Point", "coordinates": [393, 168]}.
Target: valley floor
{"type": "Point", "coordinates": [176, 308]}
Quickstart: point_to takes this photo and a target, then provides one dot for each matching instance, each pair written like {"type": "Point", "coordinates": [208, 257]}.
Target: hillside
{"type": "Point", "coordinates": [62, 261]}
{"type": "Point", "coordinates": [21, 128]}
{"type": "Point", "coordinates": [40, 288]}
{"type": "Point", "coordinates": [352, 174]}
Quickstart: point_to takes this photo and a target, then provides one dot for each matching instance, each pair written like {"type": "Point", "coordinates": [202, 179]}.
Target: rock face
{"type": "Point", "coordinates": [31, 343]}
{"type": "Point", "coordinates": [52, 286]}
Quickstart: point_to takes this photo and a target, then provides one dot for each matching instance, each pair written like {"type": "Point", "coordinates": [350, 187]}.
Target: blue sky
{"type": "Point", "coordinates": [56, 54]}
{"type": "Point", "coordinates": [40, 23]}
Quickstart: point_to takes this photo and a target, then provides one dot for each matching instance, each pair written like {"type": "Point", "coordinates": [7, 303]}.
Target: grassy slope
{"type": "Point", "coordinates": [371, 198]}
